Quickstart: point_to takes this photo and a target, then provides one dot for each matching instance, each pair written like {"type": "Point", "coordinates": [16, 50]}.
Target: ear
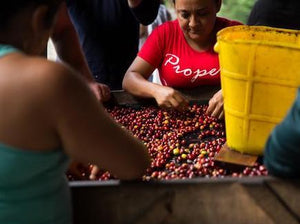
{"type": "Point", "coordinates": [218, 6]}
{"type": "Point", "coordinates": [39, 18]}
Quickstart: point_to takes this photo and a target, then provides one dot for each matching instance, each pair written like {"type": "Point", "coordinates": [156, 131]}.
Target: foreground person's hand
{"type": "Point", "coordinates": [76, 170]}
{"type": "Point", "coordinates": [94, 172]}
{"type": "Point", "coordinates": [168, 97]}
{"type": "Point", "coordinates": [215, 106]}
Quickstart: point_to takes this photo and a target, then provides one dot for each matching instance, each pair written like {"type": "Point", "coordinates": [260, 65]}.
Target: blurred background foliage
{"type": "Point", "coordinates": [237, 9]}
{"type": "Point", "coordinates": [231, 9]}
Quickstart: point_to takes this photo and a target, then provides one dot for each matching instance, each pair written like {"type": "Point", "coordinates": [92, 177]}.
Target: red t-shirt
{"type": "Point", "coordinates": [180, 65]}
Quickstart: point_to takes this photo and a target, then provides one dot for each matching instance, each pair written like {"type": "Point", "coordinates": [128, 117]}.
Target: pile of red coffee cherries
{"type": "Point", "coordinates": [181, 144]}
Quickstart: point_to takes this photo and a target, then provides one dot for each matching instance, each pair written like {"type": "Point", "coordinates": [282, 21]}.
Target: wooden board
{"type": "Point", "coordinates": [200, 200]}
{"type": "Point", "coordinates": [229, 200]}
{"type": "Point", "coordinates": [227, 155]}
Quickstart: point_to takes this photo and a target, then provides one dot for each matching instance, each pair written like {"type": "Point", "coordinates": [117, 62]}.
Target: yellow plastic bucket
{"type": "Point", "coordinates": [260, 73]}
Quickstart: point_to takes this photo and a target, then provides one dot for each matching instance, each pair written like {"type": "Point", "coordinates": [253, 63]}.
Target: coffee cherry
{"type": "Point", "coordinates": [181, 144]}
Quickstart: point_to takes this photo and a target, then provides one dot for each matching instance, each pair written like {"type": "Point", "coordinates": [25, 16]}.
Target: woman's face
{"type": "Point", "coordinates": [197, 17]}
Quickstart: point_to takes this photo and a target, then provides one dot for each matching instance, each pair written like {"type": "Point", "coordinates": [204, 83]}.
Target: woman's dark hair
{"type": "Point", "coordinates": [11, 7]}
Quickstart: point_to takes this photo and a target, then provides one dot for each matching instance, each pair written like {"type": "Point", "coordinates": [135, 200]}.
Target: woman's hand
{"type": "Point", "coordinates": [101, 91]}
{"type": "Point", "coordinates": [168, 97]}
{"type": "Point", "coordinates": [77, 170]}
{"type": "Point", "coordinates": [94, 172]}
{"type": "Point", "coordinates": [215, 106]}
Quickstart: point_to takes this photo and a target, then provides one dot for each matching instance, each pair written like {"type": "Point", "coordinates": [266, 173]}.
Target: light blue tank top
{"type": "Point", "coordinates": [33, 184]}
{"type": "Point", "coordinates": [6, 49]}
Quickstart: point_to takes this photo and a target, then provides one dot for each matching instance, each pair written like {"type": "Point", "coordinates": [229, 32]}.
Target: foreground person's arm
{"type": "Point", "coordinates": [88, 133]}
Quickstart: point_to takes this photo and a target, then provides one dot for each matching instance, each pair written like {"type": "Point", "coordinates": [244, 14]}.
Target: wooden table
{"type": "Point", "coordinates": [261, 200]}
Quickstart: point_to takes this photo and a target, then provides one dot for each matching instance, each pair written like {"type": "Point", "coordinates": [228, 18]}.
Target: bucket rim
{"type": "Point", "coordinates": [238, 28]}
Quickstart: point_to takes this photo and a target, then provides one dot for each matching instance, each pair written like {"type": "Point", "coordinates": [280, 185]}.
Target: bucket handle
{"type": "Point", "coordinates": [217, 47]}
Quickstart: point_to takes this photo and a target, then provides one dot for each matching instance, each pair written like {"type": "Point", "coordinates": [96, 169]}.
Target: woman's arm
{"type": "Point", "coordinates": [136, 79]}
{"type": "Point", "coordinates": [88, 133]}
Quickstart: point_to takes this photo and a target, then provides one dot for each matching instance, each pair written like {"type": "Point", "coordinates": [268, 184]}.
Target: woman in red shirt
{"type": "Point", "coordinates": [182, 50]}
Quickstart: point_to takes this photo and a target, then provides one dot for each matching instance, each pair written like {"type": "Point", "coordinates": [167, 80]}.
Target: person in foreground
{"type": "Point", "coordinates": [48, 114]}
{"type": "Point", "coordinates": [282, 151]}
{"type": "Point", "coordinates": [182, 50]}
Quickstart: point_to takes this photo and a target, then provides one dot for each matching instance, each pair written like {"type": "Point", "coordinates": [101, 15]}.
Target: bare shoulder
{"type": "Point", "coordinates": [49, 71]}
{"type": "Point", "coordinates": [50, 79]}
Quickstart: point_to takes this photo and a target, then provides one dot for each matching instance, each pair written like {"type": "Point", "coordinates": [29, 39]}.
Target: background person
{"type": "Point", "coordinates": [109, 35]}
{"type": "Point", "coordinates": [182, 50]}
{"type": "Point", "coordinates": [276, 13]}
{"type": "Point", "coordinates": [68, 48]}
{"type": "Point", "coordinates": [163, 16]}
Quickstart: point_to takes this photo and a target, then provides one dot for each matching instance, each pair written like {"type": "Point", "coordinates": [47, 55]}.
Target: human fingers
{"type": "Point", "coordinates": [182, 101]}
{"type": "Point", "coordinates": [105, 91]}
{"type": "Point", "coordinates": [214, 102]}
{"type": "Point", "coordinates": [180, 105]}
{"type": "Point", "coordinates": [163, 96]}
{"type": "Point", "coordinates": [221, 115]}
{"type": "Point", "coordinates": [174, 103]}
{"type": "Point", "coordinates": [94, 172]}
{"type": "Point", "coordinates": [211, 106]}
{"type": "Point", "coordinates": [76, 169]}
{"type": "Point", "coordinates": [174, 100]}
{"type": "Point", "coordinates": [165, 104]}
{"type": "Point", "coordinates": [93, 86]}
{"type": "Point", "coordinates": [100, 91]}
{"type": "Point", "coordinates": [217, 111]}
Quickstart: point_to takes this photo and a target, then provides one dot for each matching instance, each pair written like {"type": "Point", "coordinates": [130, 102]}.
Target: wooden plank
{"type": "Point", "coordinates": [269, 204]}
{"type": "Point", "coordinates": [227, 155]}
{"type": "Point", "coordinates": [288, 193]}
{"type": "Point", "coordinates": [190, 202]}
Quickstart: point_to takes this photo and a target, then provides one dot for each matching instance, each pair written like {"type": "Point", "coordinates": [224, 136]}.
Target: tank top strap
{"type": "Point", "coordinates": [7, 49]}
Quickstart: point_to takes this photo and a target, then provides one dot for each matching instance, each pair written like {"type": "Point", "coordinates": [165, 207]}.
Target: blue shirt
{"type": "Point", "coordinates": [109, 34]}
